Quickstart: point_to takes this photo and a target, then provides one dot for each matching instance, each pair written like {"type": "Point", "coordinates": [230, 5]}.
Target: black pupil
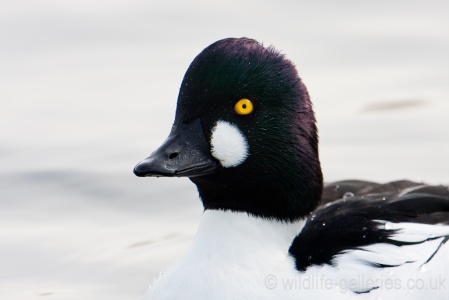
{"type": "Point", "coordinates": [243, 105]}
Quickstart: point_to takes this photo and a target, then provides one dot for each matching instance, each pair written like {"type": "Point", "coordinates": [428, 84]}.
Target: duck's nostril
{"type": "Point", "coordinates": [173, 155]}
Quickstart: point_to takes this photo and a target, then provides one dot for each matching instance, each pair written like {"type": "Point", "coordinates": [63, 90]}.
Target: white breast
{"type": "Point", "coordinates": [233, 256]}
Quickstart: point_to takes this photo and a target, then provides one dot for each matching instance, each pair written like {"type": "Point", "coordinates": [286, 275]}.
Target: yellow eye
{"type": "Point", "coordinates": [243, 107]}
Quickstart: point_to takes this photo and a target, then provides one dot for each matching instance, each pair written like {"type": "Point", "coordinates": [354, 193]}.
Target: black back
{"type": "Point", "coordinates": [350, 223]}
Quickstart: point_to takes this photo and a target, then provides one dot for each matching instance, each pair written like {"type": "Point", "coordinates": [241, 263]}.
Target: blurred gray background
{"type": "Point", "coordinates": [89, 88]}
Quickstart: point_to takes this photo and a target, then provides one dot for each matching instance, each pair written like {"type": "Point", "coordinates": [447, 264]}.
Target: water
{"type": "Point", "coordinates": [88, 89]}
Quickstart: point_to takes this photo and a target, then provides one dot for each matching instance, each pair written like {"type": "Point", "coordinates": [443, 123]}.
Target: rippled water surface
{"type": "Point", "coordinates": [88, 88]}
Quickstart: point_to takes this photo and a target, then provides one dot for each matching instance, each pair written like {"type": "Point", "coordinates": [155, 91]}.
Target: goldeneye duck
{"type": "Point", "coordinates": [245, 134]}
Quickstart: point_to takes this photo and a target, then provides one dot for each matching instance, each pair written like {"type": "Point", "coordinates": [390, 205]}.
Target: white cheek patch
{"type": "Point", "coordinates": [228, 144]}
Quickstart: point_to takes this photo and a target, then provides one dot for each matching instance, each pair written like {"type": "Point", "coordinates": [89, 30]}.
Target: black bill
{"type": "Point", "coordinates": [185, 153]}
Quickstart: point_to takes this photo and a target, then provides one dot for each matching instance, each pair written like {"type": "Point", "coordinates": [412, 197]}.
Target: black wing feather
{"type": "Point", "coordinates": [348, 224]}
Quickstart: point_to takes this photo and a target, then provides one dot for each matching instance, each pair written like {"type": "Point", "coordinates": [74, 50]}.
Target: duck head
{"type": "Point", "coordinates": [244, 133]}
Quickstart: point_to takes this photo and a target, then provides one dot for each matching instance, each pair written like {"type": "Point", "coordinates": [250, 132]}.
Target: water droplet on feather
{"type": "Point", "coordinates": [347, 195]}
